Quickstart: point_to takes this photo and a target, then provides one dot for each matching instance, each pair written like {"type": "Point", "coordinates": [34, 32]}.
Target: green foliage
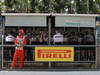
{"type": "Point", "coordinates": [55, 6]}
{"type": "Point", "coordinates": [1, 6]}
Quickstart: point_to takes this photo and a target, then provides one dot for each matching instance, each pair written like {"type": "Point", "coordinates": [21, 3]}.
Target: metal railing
{"type": "Point", "coordinates": [85, 57]}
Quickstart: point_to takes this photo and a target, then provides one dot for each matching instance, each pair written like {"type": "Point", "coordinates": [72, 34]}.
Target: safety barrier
{"type": "Point", "coordinates": [72, 57]}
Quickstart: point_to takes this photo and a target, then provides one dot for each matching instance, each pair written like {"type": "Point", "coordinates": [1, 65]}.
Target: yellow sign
{"type": "Point", "coordinates": [54, 53]}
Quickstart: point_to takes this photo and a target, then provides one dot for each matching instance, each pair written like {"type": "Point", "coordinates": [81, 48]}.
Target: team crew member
{"type": "Point", "coordinates": [88, 39]}
{"type": "Point", "coordinates": [28, 51]}
{"type": "Point", "coordinates": [19, 50]}
{"type": "Point", "coordinates": [9, 39]}
{"type": "Point", "coordinates": [42, 37]}
{"type": "Point", "coordinates": [58, 38]}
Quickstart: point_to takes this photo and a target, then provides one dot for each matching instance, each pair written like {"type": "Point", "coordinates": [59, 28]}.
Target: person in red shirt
{"type": "Point", "coordinates": [19, 50]}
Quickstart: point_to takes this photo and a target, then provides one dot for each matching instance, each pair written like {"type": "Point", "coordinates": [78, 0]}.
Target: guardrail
{"type": "Point", "coordinates": [77, 63]}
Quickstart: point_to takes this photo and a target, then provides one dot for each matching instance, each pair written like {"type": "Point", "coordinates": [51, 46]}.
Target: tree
{"type": "Point", "coordinates": [55, 6]}
{"type": "Point", "coordinates": [1, 6]}
{"type": "Point", "coordinates": [59, 6]}
{"type": "Point", "coordinates": [97, 6]}
{"type": "Point", "coordinates": [33, 6]}
{"type": "Point", "coordinates": [78, 6]}
{"type": "Point", "coordinates": [91, 5]}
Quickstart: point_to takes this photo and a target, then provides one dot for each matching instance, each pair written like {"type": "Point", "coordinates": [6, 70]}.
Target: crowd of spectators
{"type": "Point", "coordinates": [41, 37]}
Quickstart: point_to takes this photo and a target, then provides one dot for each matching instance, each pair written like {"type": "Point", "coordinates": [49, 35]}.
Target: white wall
{"type": "Point", "coordinates": [25, 21]}
{"type": "Point", "coordinates": [49, 73]}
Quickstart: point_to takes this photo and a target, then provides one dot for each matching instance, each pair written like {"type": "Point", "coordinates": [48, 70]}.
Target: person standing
{"type": "Point", "coordinates": [8, 52]}
{"type": "Point", "coordinates": [42, 37]}
{"type": "Point", "coordinates": [58, 38]}
{"type": "Point", "coordinates": [19, 50]}
{"type": "Point", "coordinates": [88, 39]}
{"type": "Point", "coordinates": [9, 39]}
{"type": "Point", "coordinates": [28, 51]}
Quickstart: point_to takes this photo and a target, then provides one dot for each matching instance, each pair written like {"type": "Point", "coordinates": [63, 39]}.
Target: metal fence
{"type": "Point", "coordinates": [85, 57]}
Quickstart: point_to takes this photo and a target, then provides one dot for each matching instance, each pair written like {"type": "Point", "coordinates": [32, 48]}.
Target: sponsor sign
{"type": "Point", "coordinates": [54, 53]}
{"type": "Point", "coordinates": [74, 21]}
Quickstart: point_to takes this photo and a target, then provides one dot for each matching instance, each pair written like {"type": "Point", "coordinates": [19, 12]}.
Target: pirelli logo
{"type": "Point", "coordinates": [54, 54]}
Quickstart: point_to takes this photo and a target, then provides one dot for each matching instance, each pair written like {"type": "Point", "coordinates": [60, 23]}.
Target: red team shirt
{"type": "Point", "coordinates": [20, 40]}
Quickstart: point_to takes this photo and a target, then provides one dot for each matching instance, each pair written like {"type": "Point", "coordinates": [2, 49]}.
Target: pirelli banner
{"type": "Point", "coordinates": [54, 54]}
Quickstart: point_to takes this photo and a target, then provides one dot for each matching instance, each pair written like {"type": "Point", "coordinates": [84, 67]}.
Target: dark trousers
{"type": "Point", "coordinates": [29, 53]}
{"type": "Point", "coordinates": [9, 51]}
